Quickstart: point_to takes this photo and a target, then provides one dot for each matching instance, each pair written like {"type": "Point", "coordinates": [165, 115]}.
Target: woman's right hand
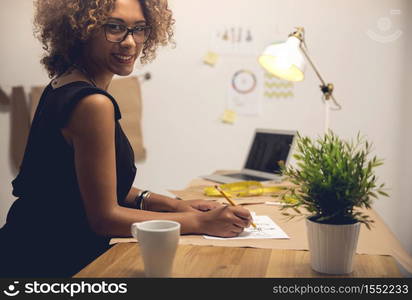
{"type": "Point", "coordinates": [225, 221]}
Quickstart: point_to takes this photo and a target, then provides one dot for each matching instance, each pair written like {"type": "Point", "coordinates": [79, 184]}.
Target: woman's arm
{"type": "Point", "coordinates": [157, 202]}
{"type": "Point", "coordinates": [129, 201]}
{"type": "Point", "coordinates": [91, 130]}
{"type": "Point", "coordinates": [162, 203]}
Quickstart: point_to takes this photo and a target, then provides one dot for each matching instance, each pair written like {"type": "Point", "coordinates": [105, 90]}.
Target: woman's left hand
{"type": "Point", "coordinates": [196, 205]}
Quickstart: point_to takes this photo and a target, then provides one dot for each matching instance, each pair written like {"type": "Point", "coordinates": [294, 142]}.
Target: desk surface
{"type": "Point", "coordinates": [195, 256]}
{"type": "Point", "coordinates": [124, 260]}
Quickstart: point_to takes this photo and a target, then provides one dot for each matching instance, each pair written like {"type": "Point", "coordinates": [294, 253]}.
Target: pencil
{"type": "Point", "coordinates": [231, 201]}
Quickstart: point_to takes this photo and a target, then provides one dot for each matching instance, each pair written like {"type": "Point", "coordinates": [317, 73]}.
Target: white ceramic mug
{"type": "Point", "coordinates": [158, 240]}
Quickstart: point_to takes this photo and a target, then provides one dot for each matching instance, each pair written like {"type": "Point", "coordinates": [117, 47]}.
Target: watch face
{"type": "Point", "coordinates": [244, 81]}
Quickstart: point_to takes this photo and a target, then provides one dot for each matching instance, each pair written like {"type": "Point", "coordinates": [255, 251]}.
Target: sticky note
{"type": "Point", "coordinates": [210, 58]}
{"type": "Point", "coordinates": [229, 116]}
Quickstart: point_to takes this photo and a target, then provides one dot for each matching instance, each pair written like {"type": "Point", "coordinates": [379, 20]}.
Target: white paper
{"type": "Point", "coordinates": [266, 229]}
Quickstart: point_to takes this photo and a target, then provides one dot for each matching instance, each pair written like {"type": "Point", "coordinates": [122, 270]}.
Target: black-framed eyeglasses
{"type": "Point", "coordinates": [117, 33]}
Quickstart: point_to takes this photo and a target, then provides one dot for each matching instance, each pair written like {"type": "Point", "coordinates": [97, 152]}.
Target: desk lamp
{"type": "Point", "coordinates": [286, 61]}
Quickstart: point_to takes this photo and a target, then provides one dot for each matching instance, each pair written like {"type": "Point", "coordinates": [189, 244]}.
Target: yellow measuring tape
{"type": "Point", "coordinates": [243, 189]}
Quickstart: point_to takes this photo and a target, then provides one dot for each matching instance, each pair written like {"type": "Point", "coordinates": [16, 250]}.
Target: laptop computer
{"type": "Point", "coordinates": [267, 149]}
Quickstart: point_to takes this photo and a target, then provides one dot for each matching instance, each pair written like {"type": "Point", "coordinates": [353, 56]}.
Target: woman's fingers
{"type": "Point", "coordinates": [239, 222]}
{"type": "Point", "coordinates": [241, 216]}
{"type": "Point", "coordinates": [226, 221]}
{"type": "Point", "coordinates": [241, 212]}
{"type": "Point", "coordinates": [204, 205]}
{"type": "Point", "coordinates": [238, 229]}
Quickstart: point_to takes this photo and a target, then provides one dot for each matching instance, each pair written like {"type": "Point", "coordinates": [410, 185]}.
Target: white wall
{"type": "Point", "coordinates": [19, 66]}
{"type": "Point", "coordinates": [403, 205]}
{"type": "Point", "coordinates": [184, 100]}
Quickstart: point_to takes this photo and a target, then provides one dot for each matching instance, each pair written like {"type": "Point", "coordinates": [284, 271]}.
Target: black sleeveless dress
{"type": "Point", "coordinates": [46, 233]}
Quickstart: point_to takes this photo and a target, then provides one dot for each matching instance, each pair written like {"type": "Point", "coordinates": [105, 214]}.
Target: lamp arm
{"type": "Point", "coordinates": [327, 89]}
{"type": "Point", "coordinates": [338, 106]}
{"type": "Point", "coordinates": [303, 48]}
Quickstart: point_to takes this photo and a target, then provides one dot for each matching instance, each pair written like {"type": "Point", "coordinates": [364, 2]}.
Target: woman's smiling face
{"type": "Point", "coordinates": [105, 57]}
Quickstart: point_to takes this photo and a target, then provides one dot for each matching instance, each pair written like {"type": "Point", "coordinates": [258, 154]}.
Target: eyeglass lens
{"type": "Point", "coordinates": [116, 33]}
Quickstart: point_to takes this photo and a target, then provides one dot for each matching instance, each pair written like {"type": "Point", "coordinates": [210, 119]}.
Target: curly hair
{"type": "Point", "coordinates": [62, 26]}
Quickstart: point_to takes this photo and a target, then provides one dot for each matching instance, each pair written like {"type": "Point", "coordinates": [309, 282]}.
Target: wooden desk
{"type": "Point", "coordinates": [124, 260]}
{"type": "Point", "coordinates": [269, 259]}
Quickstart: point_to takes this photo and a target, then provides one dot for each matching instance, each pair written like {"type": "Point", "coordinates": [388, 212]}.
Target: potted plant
{"type": "Point", "coordinates": [332, 181]}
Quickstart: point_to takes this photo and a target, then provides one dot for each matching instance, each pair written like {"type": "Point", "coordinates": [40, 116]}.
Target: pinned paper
{"type": "Point", "coordinates": [244, 93]}
{"type": "Point", "coordinates": [211, 58]}
{"type": "Point", "coordinates": [278, 95]}
{"type": "Point", "coordinates": [277, 88]}
{"type": "Point", "coordinates": [233, 39]}
{"type": "Point", "coordinates": [229, 116]}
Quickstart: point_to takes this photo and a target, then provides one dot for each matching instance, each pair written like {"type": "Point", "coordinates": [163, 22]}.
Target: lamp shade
{"type": "Point", "coordinates": [284, 60]}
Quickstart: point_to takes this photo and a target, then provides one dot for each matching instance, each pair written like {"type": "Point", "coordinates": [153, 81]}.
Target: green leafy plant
{"type": "Point", "coordinates": [331, 179]}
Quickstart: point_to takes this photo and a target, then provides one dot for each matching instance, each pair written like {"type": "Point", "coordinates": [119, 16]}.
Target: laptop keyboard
{"type": "Point", "coordinates": [247, 177]}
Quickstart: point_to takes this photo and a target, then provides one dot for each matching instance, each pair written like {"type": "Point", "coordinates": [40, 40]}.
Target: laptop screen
{"type": "Point", "coordinates": [267, 150]}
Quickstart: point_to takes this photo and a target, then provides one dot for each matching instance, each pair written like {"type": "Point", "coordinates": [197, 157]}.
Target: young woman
{"type": "Point", "coordinates": [74, 187]}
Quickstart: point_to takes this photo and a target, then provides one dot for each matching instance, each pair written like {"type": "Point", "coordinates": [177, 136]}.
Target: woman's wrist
{"type": "Point", "coordinates": [192, 223]}
{"type": "Point", "coordinates": [199, 221]}
{"type": "Point", "coordinates": [160, 203]}
{"type": "Point", "coordinates": [142, 199]}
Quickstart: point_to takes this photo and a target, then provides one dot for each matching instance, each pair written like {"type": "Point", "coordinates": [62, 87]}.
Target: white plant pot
{"type": "Point", "coordinates": [332, 247]}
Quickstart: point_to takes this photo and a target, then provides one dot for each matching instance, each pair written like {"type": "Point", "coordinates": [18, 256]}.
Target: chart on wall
{"type": "Point", "coordinates": [244, 91]}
